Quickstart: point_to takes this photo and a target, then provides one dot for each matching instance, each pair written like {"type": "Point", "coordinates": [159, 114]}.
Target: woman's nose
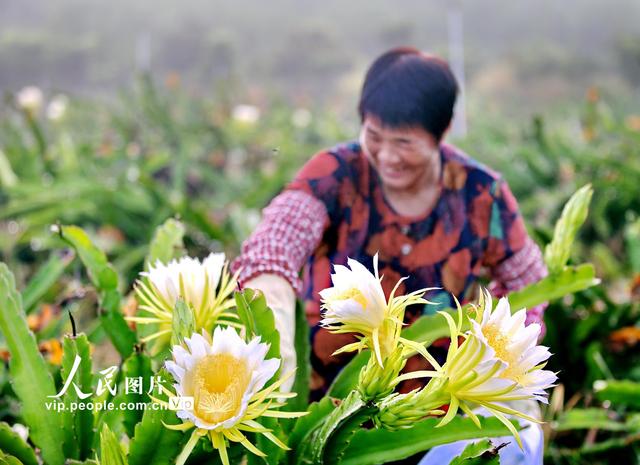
{"type": "Point", "coordinates": [386, 154]}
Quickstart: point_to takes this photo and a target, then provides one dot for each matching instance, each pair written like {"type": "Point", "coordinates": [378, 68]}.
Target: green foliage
{"type": "Point", "coordinates": [30, 378]}
{"type": "Point", "coordinates": [45, 278]}
{"type": "Point", "coordinates": [300, 437]}
{"type": "Point", "coordinates": [371, 447]}
{"type": "Point", "coordinates": [342, 422]}
{"type": "Point", "coordinates": [111, 452]}
{"type": "Point", "coordinates": [78, 425]}
{"type": "Point", "coordinates": [166, 243]}
{"type": "Point", "coordinates": [12, 444]}
{"type": "Point", "coordinates": [573, 216]}
{"type": "Point", "coordinates": [136, 367]}
{"type": "Point", "coordinates": [478, 453]}
{"type": "Point", "coordinates": [105, 279]}
{"type": "Point", "coordinates": [303, 363]}
{"type": "Point", "coordinates": [183, 322]}
{"type": "Point", "coordinates": [258, 319]}
{"type": "Point", "coordinates": [622, 393]}
{"type": "Point", "coordinates": [6, 459]}
{"type": "Point", "coordinates": [152, 443]}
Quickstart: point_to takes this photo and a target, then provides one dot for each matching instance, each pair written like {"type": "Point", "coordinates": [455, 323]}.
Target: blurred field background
{"type": "Point", "coordinates": [117, 115]}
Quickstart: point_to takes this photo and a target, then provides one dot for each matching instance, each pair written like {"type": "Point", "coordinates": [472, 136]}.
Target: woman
{"type": "Point", "coordinates": [430, 212]}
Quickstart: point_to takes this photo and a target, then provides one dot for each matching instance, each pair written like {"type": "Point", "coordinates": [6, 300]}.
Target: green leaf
{"type": "Point", "coordinates": [259, 319]}
{"type": "Point", "coordinates": [111, 452]}
{"type": "Point", "coordinates": [244, 310]}
{"type": "Point", "coordinates": [569, 281]}
{"type": "Point", "coordinates": [300, 437]}
{"type": "Point", "coordinates": [349, 415]}
{"type": "Point", "coordinates": [478, 453]}
{"type": "Point", "coordinates": [303, 371]}
{"type": "Point", "coordinates": [619, 393]}
{"type": "Point", "coordinates": [11, 443]}
{"type": "Point", "coordinates": [347, 379]}
{"type": "Point", "coordinates": [101, 273]}
{"type": "Point", "coordinates": [121, 335]}
{"type": "Point", "coordinates": [46, 276]}
{"type": "Point", "coordinates": [105, 279]}
{"type": "Point", "coordinates": [586, 419]}
{"type": "Point", "coordinates": [183, 323]}
{"type": "Point", "coordinates": [8, 459]}
{"type": "Point", "coordinates": [78, 425]}
{"type": "Point", "coordinates": [166, 243]}
{"type": "Point", "coordinates": [574, 213]}
{"type": "Point", "coordinates": [372, 447]}
{"type": "Point", "coordinates": [30, 377]}
{"type": "Point", "coordinates": [152, 442]}
{"type": "Point", "coordinates": [136, 367]}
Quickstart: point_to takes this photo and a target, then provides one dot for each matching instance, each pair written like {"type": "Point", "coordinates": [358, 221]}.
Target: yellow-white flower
{"type": "Point", "coordinates": [30, 99]}
{"type": "Point", "coordinates": [246, 114]}
{"type": "Point", "coordinates": [493, 366]}
{"type": "Point", "coordinates": [57, 107]}
{"type": "Point", "coordinates": [205, 287]}
{"type": "Point", "coordinates": [356, 304]}
{"type": "Point", "coordinates": [226, 378]}
{"type": "Point", "coordinates": [514, 344]}
{"type": "Point", "coordinates": [356, 298]}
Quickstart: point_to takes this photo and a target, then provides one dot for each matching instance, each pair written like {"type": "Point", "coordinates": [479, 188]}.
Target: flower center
{"type": "Point", "coordinates": [220, 381]}
{"type": "Point", "coordinates": [354, 294]}
{"type": "Point", "coordinates": [498, 342]}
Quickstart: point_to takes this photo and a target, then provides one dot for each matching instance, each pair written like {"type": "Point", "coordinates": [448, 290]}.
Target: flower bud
{"type": "Point", "coordinates": [399, 411]}
{"type": "Point", "coordinates": [376, 382]}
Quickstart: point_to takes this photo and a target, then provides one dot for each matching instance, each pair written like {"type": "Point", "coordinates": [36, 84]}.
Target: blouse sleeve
{"type": "Point", "coordinates": [291, 228]}
{"type": "Point", "coordinates": [294, 222]}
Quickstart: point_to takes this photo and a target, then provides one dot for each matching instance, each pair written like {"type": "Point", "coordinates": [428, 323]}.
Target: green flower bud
{"type": "Point", "coordinates": [573, 215]}
{"type": "Point", "coordinates": [399, 411]}
{"type": "Point", "coordinates": [375, 382]}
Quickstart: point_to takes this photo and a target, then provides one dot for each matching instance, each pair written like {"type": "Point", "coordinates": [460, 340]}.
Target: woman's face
{"type": "Point", "coordinates": [404, 158]}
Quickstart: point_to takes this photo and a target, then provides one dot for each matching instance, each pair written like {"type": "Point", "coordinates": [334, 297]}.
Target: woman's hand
{"type": "Point", "coordinates": [282, 300]}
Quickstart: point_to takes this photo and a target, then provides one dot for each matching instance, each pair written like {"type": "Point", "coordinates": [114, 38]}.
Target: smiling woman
{"type": "Point", "coordinates": [427, 209]}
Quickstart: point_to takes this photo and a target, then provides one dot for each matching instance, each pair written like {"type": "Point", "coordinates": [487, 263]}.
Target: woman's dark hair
{"type": "Point", "coordinates": [405, 87]}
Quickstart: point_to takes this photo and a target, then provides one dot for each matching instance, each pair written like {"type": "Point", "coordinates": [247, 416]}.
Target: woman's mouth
{"type": "Point", "coordinates": [393, 172]}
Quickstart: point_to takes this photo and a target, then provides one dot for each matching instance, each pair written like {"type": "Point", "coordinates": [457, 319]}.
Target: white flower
{"type": "Point", "coordinates": [222, 377]}
{"type": "Point", "coordinates": [57, 107]}
{"type": "Point", "coordinates": [30, 99]}
{"type": "Point", "coordinates": [189, 274]}
{"type": "Point", "coordinates": [356, 304]}
{"type": "Point", "coordinates": [356, 298]}
{"type": "Point", "coordinates": [205, 287]}
{"type": "Point", "coordinates": [301, 118]}
{"type": "Point", "coordinates": [226, 378]}
{"type": "Point", "coordinates": [247, 114]}
{"type": "Point", "coordinates": [21, 430]}
{"type": "Point", "coordinates": [514, 344]}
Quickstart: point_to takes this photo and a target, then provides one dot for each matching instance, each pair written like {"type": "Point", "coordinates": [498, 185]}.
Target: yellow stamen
{"type": "Point", "coordinates": [354, 294]}
{"type": "Point", "coordinates": [220, 381]}
{"type": "Point", "coordinates": [498, 342]}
